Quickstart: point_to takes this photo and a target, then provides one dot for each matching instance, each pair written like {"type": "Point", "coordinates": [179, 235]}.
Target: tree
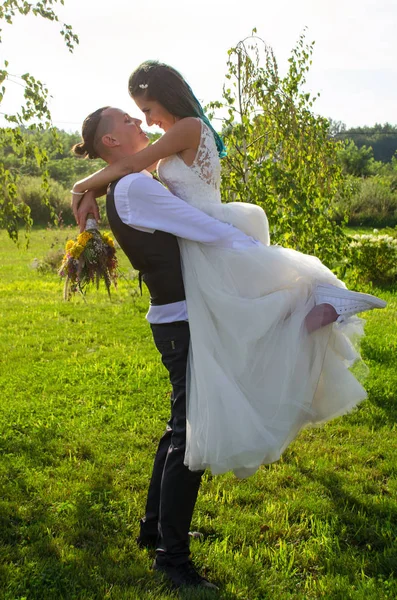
{"type": "Point", "coordinates": [336, 127]}
{"type": "Point", "coordinates": [381, 138]}
{"type": "Point", "coordinates": [60, 164]}
{"type": "Point", "coordinates": [280, 155]}
{"type": "Point", "coordinates": [33, 114]}
{"type": "Point", "coordinates": [356, 161]}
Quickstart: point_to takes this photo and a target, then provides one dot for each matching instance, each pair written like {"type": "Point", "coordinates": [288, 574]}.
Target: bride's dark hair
{"type": "Point", "coordinates": [164, 84]}
{"type": "Point", "coordinates": [90, 131]}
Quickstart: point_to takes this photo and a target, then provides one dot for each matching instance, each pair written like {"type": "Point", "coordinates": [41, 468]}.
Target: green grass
{"type": "Point", "coordinates": [84, 399]}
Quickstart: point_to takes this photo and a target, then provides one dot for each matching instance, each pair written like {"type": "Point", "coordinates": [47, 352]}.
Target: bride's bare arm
{"type": "Point", "coordinates": [185, 134]}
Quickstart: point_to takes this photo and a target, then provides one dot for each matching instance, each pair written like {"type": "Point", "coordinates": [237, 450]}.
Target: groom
{"type": "Point", "coordinates": [146, 220]}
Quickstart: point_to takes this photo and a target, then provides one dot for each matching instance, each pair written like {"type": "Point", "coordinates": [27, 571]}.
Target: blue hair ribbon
{"type": "Point", "coordinates": [218, 140]}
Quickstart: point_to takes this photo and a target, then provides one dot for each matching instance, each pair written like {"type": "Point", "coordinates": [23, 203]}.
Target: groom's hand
{"type": "Point", "coordinates": [84, 207]}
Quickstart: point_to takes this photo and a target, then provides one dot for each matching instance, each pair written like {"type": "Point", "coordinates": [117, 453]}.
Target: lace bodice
{"type": "Point", "coordinates": [198, 184]}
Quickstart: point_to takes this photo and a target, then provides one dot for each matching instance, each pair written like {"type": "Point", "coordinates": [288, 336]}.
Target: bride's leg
{"type": "Point", "coordinates": [320, 316]}
{"type": "Point", "coordinates": [334, 303]}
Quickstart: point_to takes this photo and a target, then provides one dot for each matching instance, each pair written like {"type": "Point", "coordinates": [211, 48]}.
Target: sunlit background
{"type": "Point", "coordinates": [354, 63]}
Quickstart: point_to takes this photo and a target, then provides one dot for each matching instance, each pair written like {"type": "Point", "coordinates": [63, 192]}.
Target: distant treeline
{"type": "Point", "coordinates": [62, 166]}
{"type": "Point", "coordinates": [66, 169]}
{"type": "Point", "coordinates": [368, 159]}
{"type": "Point", "coordinates": [381, 138]}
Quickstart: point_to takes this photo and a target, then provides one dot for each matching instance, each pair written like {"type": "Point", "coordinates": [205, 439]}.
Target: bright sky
{"type": "Point", "coordinates": [354, 63]}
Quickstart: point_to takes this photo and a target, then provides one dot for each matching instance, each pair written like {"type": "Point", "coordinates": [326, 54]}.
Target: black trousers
{"type": "Point", "coordinates": [173, 488]}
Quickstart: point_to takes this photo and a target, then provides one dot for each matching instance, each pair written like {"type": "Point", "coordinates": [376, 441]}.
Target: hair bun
{"type": "Point", "coordinates": [80, 149]}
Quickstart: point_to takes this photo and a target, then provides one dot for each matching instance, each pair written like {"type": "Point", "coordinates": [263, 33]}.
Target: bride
{"type": "Point", "coordinates": [271, 328]}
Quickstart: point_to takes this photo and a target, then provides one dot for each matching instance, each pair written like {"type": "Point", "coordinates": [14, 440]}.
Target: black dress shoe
{"type": "Point", "coordinates": [184, 575]}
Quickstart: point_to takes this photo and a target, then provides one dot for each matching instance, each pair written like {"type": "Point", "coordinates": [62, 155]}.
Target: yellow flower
{"type": "Point", "coordinates": [69, 244]}
{"type": "Point", "coordinates": [76, 250]}
{"type": "Point", "coordinates": [84, 237]}
{"type": "Point", "coordinates": [108, 240]}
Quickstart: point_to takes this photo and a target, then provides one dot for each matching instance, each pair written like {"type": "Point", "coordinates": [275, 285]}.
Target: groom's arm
{"type": "Point", "coordinates": [143, 203]}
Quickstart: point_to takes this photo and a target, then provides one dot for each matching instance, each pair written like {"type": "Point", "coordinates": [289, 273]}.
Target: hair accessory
{"type": "Point", "coordinates": [143, 86]}
{"type": "Point", "coordinates": [77, 193]}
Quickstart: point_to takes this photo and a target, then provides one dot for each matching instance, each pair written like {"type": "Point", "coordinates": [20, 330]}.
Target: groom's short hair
{"type": "Point", "coordinates": [95, 126]}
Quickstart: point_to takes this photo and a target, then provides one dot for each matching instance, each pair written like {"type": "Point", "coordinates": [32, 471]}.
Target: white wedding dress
{"type": "Point", "coordinates": [255, 375]}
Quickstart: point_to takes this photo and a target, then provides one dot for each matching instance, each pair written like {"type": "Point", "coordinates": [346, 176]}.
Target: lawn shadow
{"type": "Point", "coordinates": [368, 528]}
{"type": "Point", "coordinates": [70, 544]}
{"type": "Point", "coordinates": [77, 544]}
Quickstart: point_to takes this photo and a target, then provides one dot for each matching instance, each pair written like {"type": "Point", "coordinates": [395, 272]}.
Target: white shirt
{"type": "Point", "coordinates": [144, 204]}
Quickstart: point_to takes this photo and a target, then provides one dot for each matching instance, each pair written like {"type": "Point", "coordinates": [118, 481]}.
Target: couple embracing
{"type": "Point", "coordinates": [256, 338]}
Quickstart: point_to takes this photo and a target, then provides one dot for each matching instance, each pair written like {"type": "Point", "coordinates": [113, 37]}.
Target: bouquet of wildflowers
{"type": "Point", "coordinates": [89, 259]}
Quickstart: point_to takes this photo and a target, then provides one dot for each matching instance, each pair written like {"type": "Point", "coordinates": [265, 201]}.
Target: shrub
{"type": "Point", "coordinates": [367, 202]}
{"type": "Point", "coordinates": [30, 192]}
{"type": "Point", "coordinates": [374, 258]}
{"type": "Point", "coordinates": [51, 262]}
{"type": "Point", "coordinates": [356, 161]}
{"type": "Point", "coordinates": [392, 231]}
{"type": "Point", "coordinates": [348, 189]}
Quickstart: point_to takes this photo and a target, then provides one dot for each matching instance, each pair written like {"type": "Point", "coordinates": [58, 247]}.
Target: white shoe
{"type": "Point", "coordinates": [345, 302]}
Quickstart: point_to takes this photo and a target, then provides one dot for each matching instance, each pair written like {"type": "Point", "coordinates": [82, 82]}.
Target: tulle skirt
{"type": "Point", "coordinates": [255, 374]}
